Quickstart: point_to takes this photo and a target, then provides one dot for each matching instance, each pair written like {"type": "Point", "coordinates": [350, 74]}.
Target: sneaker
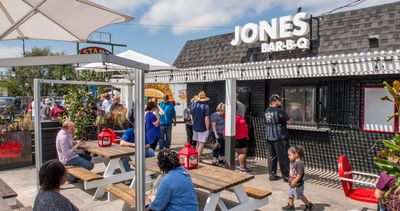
{"type": "Point", "coordinates": [288, 207]}
{"type": "Point", "coordinates": [221, 162]}
{"type": "Point", "coordinates": [246, 171]}
{"type": "Point", "coordinates": [214, 163]}
{"type": "Point", "coordinates": [285, 179]}
{"type": "Point", "coordinates": [274, 178]}
{"type": "Point", "coordinates": [309, 207]}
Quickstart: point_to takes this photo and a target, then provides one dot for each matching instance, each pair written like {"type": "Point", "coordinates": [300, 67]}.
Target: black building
{"type": "Point", "coordinates": [325, 87]}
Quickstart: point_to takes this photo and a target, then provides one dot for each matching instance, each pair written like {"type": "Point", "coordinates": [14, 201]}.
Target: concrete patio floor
{"type": "Point", "coordinates": [321, 187]}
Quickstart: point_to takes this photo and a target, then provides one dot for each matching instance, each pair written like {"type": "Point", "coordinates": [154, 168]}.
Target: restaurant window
{"type": "Point", "coordinates": [299, 103]}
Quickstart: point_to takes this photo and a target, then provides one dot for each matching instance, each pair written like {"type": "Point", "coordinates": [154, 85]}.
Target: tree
{"type": "Point", "coordinates": [20, 79]}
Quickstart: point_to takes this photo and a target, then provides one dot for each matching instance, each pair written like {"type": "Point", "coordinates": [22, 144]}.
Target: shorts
{"type": "Point", "coordinates": [297, 192]}
{"type": "Point", "coordinates": [200, 137]}
{"type": "Point", "coordinates": [241, 143]}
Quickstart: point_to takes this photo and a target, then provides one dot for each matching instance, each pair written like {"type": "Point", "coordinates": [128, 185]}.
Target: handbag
{"type": "Point", "coordinates": [215, 145]}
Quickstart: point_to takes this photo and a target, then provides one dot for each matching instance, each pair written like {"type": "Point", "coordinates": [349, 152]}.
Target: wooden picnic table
{"type": "Point", "coordinates": [7, 193]}
{"type": "Point", "coordinates": [113, 155]}
{"type": "Point", "coordinates": [214, 180]}
{"type": "Point", "coordinates": [115, 151]}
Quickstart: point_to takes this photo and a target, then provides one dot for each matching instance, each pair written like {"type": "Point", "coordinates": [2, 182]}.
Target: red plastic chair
{"type": "Point", "coordinates": [346, 178]}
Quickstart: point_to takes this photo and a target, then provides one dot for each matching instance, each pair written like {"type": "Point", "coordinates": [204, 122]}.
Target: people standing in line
{"type": "Point", "coordinates": [57, 111]}
{"type": "Point", "coordinates": [116, 104]}
{"type": "Point", "coordinates": [105, 105]}
{"type": "Point", "coordinates": [188, 124]}
{"type": "Point", "coordinates": [240, 108]}
{"type": "Point", "coordinates": [241, 139]}
{"type": "Point", "coordinates": [218, 125]}
{"type": "Point", "coordinates": [128, 140]}
{"type": "Point", "coordinates": [46, 109]}
{"type": "Point", "coordinates": [276, 132]}
{"type": "Point", "coordinates": [296, 182]}
{"type": "Point", "coordinates": [176, 190]}
{"type": "Point", "coordinates": [67, 149]}
{"type": "Point", "coordinates": [152, 125]}
{"type": "Point", "coordinates": [132, 114]}
{"type": "Point", "coordinates": [200, 112]}
{"type": "Point", "coordinates": [52, 175]}
{"type": "Point", "coordinates": [166, 120]}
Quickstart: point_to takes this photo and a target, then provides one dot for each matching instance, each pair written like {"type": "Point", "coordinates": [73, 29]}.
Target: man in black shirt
{"type": "Point", "coordinates": [276, 133]}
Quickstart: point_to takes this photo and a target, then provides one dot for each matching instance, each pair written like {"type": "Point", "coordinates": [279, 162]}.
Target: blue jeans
{"type": "Point", "coordinates": [83, 161]}
{"type": "Point", "coordinates": [165, 136]}
{"type": "Point", "coordinates": [221, 151]}
{"type": "Point", "coordinates": [125, 160]}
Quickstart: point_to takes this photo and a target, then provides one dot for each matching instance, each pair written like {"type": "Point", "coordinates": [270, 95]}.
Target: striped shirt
{"type": "Point", "coordinates": [275, 124]}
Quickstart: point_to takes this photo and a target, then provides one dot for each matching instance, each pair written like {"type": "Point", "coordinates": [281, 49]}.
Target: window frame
{"type": "Point", "coordinates": [314, 103]}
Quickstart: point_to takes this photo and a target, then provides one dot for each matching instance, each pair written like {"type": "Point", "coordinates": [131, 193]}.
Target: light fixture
{"type": "Point", "coordinates": [106, 79]}
{"type": "Point", "coordinates": [63, 77]}
{"type": "Point", "coordinates": [334, 63]}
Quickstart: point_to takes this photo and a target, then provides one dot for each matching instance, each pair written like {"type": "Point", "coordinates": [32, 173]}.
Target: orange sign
{"type": "Point", "coordinates": [94, 50]}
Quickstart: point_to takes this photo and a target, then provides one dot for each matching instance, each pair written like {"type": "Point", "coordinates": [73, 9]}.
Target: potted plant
{"type": "Point", "coordinates": [15, 142]}
{"type": "Point", "coordinates": [387, 159]}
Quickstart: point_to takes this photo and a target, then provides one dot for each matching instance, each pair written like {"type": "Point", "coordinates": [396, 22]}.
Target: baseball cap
{"type": "Point", "coordinates": [274, 97]}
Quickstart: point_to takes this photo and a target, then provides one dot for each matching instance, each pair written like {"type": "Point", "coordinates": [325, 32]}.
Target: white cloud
{"type": "Point", "coordinates": [10, 51]}
{"type": "Point", "coordinates": [213, 13]}
{"type": "Point", "coordinates": [208, 13]}
{"type": "Point", "coordinates": [123, 5]}
{"type": "Point", "coordinates": [317, 7]}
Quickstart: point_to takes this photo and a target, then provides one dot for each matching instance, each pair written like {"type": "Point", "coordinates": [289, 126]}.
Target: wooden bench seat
{"type": "Point", "coordinates": [123, 192]}
{"type": "Point", "coordinates": [4, 206]}
{"type": "Point", "coordinates": [6, 191]}
{"type": "Point", "coordinates": [254, 192]}
{"type": "Point", "coordinates": [83, 173]}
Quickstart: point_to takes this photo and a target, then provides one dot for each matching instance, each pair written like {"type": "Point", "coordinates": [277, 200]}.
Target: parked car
{"type": "Point", "coordinates": [9, 108]}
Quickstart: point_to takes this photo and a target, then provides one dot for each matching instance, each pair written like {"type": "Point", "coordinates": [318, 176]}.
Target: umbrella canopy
{"type": "Point", "coordinates": [154, 64]}
{"type": "Point", "coordinates": [64, 20]}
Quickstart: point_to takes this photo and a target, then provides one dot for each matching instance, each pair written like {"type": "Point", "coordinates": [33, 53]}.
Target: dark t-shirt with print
{"type": "Point", "coordinates": [275, 124]}
{"type": "Point", "coordinates": [296, 168]}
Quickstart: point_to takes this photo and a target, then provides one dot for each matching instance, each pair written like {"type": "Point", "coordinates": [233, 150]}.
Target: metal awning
{"type": "Point", "coordinates": [371, 63]}
{"type": "Point", "coordinates": [139, 70]}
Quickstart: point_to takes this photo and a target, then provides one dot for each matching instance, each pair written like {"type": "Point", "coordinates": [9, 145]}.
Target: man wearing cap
{"type": "Point", "coordinates": [276, 133]}
{"type": "Point", "coordinates": [167, 118]}
{"type": "Point", "coordinates": [200, 113]}
{"type": "Point", "coordinates": [46, 109]}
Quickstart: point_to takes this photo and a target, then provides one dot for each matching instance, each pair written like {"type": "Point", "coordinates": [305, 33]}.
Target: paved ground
{"type": "Point", "coordinates": [321, 188]}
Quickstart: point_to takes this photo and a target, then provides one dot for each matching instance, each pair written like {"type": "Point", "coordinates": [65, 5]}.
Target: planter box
{"type": "Point", "coordinates": [15, 150]}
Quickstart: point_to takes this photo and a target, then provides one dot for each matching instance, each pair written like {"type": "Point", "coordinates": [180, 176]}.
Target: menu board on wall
{"type": "Point", "coordinates": [376, 111]}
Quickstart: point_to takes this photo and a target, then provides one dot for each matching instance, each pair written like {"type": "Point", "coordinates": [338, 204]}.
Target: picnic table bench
{"type": "Point", "coordinates": [111, 157]}
{"type": "Point", "coordinates": [212, 179]}
{"type": "Point", "coordinates": [7, 194]}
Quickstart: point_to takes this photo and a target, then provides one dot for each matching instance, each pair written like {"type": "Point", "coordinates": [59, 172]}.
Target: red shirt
{"type": "Point", "coordinates": [57, 111]}
{"type": "Point", "coordinates": [242, 132]}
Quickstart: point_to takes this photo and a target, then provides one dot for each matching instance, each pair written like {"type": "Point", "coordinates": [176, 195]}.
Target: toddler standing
{"type": "Point", "coordinates": [296, 182]}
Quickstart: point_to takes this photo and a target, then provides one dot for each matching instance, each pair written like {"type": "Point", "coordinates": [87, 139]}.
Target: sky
{"type": "Point", "coordinates": [161, 27]}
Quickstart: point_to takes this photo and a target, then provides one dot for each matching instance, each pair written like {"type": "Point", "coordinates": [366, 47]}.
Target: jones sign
{"type": "Point", "coordinates": [282, 28]}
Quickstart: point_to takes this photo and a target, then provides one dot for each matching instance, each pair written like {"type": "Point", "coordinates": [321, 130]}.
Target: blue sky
{"type": "Point", "coordinates": [165, 43]}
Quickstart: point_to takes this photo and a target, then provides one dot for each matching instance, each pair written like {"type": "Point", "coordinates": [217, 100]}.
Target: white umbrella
{"type": "Point", "coordinates": [65, 20]}
{"type": "Point", "coordinates": [154, 64]}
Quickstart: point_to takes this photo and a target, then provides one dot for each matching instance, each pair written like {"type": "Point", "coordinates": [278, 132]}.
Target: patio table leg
{"type": "Point", "coordinates": [222, 205]}
{"type": "Point", "coordinates": [212, 201]}
{"type": "Point", "coordinates": [241, 194]}
{"type": "Point", "coordinates": [109, 171]}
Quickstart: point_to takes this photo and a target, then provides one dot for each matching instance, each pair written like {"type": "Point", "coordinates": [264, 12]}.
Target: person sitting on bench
{"type": "Point", "coordinates": [67, 149]}
{"type": "Point", "coordinates": [176, 190]}
{"type": "Point", "coordinates": [52, 175]}
{"type": "Point", "coordinates": [128, 140]}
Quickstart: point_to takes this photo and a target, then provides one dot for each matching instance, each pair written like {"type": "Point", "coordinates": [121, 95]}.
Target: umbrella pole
{"type": "Point", "coordinates": [140, 143]}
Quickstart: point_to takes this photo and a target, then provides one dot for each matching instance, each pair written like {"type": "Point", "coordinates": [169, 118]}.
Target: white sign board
{"type": "Point", "coordinates": [376, 111]}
